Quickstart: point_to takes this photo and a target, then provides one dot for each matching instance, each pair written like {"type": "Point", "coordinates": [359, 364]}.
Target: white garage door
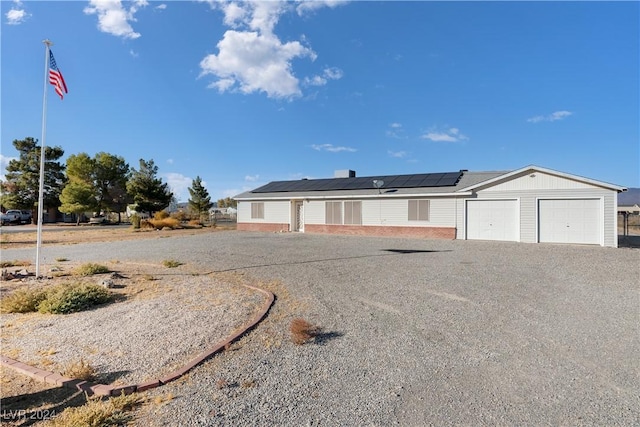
{"type": "Point", "coordinates": [492, 220]}
{"type": "Point", "coordinates": [570, 221]}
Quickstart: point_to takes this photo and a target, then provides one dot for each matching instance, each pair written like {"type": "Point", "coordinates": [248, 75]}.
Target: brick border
{"type": "Point", "coordinates": [111, 390]}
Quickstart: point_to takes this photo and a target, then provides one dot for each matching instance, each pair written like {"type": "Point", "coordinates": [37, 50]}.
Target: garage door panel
{"type": "Point", "coordinates": [492, 220]}
{"type": "Point", "coordinates": [575, 221]}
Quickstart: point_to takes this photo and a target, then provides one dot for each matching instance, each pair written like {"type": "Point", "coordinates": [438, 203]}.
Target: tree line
{"type": "Point", "coordinates": [103, 183]}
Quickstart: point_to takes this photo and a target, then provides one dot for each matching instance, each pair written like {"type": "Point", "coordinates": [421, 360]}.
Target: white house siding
{"type": "Point", "coordinates": [277, 211]}
{"type": "Point", "coordinates": [389, 212]}
{"type": "Point", "coordinates": [539, 181]}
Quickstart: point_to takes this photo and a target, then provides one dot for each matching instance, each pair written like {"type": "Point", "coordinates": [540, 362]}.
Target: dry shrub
{"type": "Point", "coordinates": [14, 263]}
{"type": "Point", "coordinates": [110, 412]}
{"type": "Point", "coordinates": [303, 331]}
{"type": "Point", "coordinates": [171, 263]}
{"type": "Point", "coordinates": [80, 370]}
{"type": "Point", "coordinates": [180, 216]}
{"type": "Point", "coordinates": [89, 269]}
{"type": "Point", "coordinates": [160, 215]}
{"type": "Point", "coordinates": [159, 224]}
{"type": "Point", "coordinates": [22, 301]}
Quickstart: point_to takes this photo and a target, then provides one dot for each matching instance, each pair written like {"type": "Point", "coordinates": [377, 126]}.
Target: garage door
{"type": "Point", "coordinates": [492, 220]}
{"type": "Point", "coordinates": [570, 221]}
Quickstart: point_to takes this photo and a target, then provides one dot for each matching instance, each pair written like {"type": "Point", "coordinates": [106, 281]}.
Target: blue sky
{"type": "Point", "coordinates": [244, 93]}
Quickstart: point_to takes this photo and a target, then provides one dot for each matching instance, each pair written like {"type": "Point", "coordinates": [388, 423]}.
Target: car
{"type": "Point", "coordinates": [15, 216]}
{"type": "Point", "coordinates": [12, 216]}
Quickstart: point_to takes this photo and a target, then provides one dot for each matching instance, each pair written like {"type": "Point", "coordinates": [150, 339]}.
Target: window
{"type": "Point", "coordinates": [333, 213]}
{"type": "Point", "coordinates": [418, 210]}
{"type": "Point", "coordinates": [257, 210]}
{"type": "Point", "coordinates": [353, 213]}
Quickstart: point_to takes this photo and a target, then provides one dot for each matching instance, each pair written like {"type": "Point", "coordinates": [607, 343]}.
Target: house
{"type": "Point", "coordinates": [629, 201]}
{"type": "Point", "coordinates": [532, 204]}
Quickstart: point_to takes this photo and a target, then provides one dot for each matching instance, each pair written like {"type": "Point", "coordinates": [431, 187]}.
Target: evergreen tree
{"type": "Point", "coordinates": [20, 190]}
{"type": "Point", "coordinates": [79, 195]}
{"type": "Point", "coordinates": [149, 193]}
{"type": "Point", "coordinates": [200, 201]}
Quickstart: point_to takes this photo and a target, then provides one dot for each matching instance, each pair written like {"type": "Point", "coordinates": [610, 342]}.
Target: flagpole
{"type": "Point", "coordinates": [47, 44]}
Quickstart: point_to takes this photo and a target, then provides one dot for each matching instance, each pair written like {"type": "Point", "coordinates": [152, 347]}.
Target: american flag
{"type": "Point", "coordinates": [55, 77]}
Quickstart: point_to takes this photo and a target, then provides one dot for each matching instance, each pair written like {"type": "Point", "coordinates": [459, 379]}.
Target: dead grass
{"type": "Point", "coordinates": [114, 411]}
{"type": "Point", "coordinates": [79, 370]}
{"type": "Point", "coordinates": [89, 269]}
{"type": "Point", "coordinates": [15, 263]}
{"type": "Point", "coordinates": [171, 263]}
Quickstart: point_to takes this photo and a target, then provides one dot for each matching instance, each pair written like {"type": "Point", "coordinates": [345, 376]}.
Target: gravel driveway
{"type": "Point", "coordinates": [417, 332]}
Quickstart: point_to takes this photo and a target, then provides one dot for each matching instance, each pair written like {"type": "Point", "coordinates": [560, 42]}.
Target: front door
{"type": "Point", "coordinates": [298, 224]}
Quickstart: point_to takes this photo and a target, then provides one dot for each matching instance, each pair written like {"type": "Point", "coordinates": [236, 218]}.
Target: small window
{"type": "Point", "coordinates": [418, 210]}
{"type": "Point", "coordinates": [257, 210]}
{"type": "Point", "coordinates": [333, 212]}
{"type": "Point", "coordinates": [353, 213]}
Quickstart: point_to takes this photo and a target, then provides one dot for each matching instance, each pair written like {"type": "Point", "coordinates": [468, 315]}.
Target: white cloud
{"type": "Point", "coordinates": [179, 185]}
{"type": "Point", "coordinates": [557, 115]}
{"type": "Point", "coordinates": [397, 154]}
{"type": "Point", "coordinates": [251, 178]}
{"type": "Point", "coordinates": [332, 148]}
{"type": "Point", "coordinates": [133, 53]}
{"type": "Point", "coordinates": [170, 161]}
{"type": "Point", "coordinates": [305, 6]}
{"type": "Point", "coordinates": [114, 18]}
{"type": "Point", "coordinates": [16, 16]}
{"type": "Point", "coordinates": [448, 135]}
{"type": "Point", "coordinates": [255, 62]}
{"type": "Point", "coordinates": [251, 58]}
{"type": "Point", "coordinates": [161, 6]}
{"type": "Point", "coordinates": [395, 131]}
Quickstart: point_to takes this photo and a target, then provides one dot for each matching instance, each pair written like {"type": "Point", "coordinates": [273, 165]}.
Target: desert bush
{"type": "Point", "coordinates": [180, 216]}
{"type": "Point", "coordinates": [14, 263]}
{"type": "Point", "coordinates": [302, 331]}
{"type": "Point", "coordinates": [89, 269]}
{"type": "Point", "coordinates": [22, 301]}
{"type": "Point", "coordinates": [160, 215]}
{"type": "Point", "coordinates": [165, 222]}
{"type": "Point", "coordinates": [114, 411]}
{"type": "Point", "coordinates": [135, 221]}
{"type": "Point", "coordinates": [80, 370]}
{"type": "Point", "coordinates": [71, 298]}
{"type": "Point", "coordinates": [171, 263]}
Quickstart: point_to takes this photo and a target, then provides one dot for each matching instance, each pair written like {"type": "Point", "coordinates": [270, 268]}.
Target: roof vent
{"type": "Point", "coordinates": [344, 173]}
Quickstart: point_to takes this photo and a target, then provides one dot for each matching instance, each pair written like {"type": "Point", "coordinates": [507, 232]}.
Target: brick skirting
{"type": "Point", "coordinates": [262, 226]}
{"type": "Point", "coordinates": [388, 231]}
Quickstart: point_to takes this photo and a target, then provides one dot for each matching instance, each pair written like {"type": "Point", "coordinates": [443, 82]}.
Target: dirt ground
{"type": "Point", "coordinates": [71, 234]}
{"type": "Point", "coordinates": [26, 401]}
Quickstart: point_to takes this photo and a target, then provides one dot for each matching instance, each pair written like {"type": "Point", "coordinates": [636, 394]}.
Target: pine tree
{"type": "Point", "coordinates": [149, 193]}
{"type": "Point", "coordinates": [200, 201]}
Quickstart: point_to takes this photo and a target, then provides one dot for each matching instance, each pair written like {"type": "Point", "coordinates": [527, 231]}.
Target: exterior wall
{"type": "Point", "coordinates": [529, 209]}
{"type": "Point", "coordinates": [538, 181]}
{"type": "Point", "coordinates": [276, 216]}
{"type": "Point", "coordinates": [384, 231]}
{"type": "Point", "coordinates": [389, 212]}
{"type": "Point", "coordinates": [269, 227]}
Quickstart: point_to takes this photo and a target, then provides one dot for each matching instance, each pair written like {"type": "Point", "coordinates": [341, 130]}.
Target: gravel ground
{"type": "Point", "coordinates": [416, 332]}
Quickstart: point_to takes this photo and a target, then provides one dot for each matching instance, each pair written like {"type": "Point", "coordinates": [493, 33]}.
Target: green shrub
{"type": "Point", "coordinates": [135, 221]}
{"type": "Point", "coordinates": [22, 301]}
{"type": "Point", "coordinates": [70, 298]}
{"type": "Point", "coordinates": [90, 269]}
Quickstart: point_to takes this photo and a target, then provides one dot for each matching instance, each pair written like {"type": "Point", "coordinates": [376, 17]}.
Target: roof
{"type": "Point", "coordinates": [459, 183]}
{"type": "Point", "coordinates": [533, 168]}
{"type": "Point", "coordinates": [340, 187]}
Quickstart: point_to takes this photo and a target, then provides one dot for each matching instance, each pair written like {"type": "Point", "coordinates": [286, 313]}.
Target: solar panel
{"type": "Point", "coordinates": [363, 183]}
